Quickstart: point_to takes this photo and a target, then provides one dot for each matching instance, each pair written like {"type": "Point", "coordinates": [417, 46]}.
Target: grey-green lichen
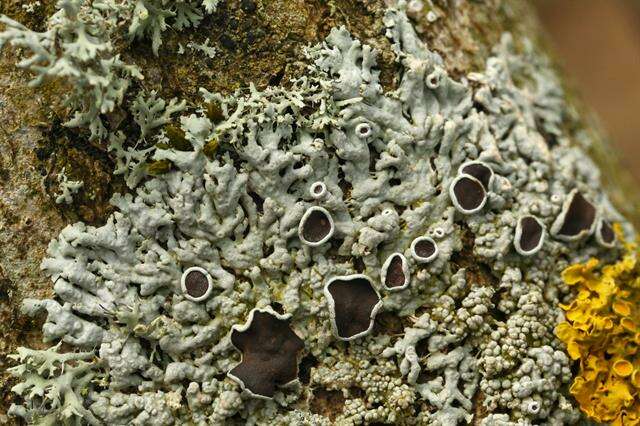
{"type": "Point", "coordinates": [57, 381]}
{"type": "Point", "coordinates": [81, 44]}
{"type": "Point", "coordinates": [67, 188]}
{"type": "Point", "coordinates": [389, 164]}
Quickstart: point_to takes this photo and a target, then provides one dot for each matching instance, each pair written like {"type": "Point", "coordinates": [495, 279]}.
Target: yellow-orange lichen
{"type": "Point", "coordinates": [601, 332]}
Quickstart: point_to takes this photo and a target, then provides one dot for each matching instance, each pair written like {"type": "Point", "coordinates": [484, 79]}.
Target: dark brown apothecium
{"type": "Point", "coordinates": [270, 351]}
{"type": "Point", "coordinates": [316, 226]}
{"type": "Point", "coordinates": [480, 171]}
{"type": "Point", "coordinates": [467, 193]}
{"type": "Point", "coordinates": [530, 235]}
{"type": "Point", "coordinates": [576, 220]}
{"type": "Point", "coordinates": [605, 234]}
{"type": "Point", "coordinates": [424, 249]}
{"type": "Point", "coordinates": [353, 305]}
{"type": "Point", "coordinates": [395, 272]}
{"type": "Point", "coordinates": [196, 284]}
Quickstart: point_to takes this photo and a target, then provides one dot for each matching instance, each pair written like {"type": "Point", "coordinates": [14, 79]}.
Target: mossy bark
{"type": "Point", "coordinates": [259, 42]}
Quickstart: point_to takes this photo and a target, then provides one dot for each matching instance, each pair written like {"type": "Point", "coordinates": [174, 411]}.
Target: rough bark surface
{"type": "Point", "coordinates": [258, 42]}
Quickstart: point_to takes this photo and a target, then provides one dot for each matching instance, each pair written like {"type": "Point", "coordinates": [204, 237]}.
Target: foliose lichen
{"type": "Point", "coordinates": [67, 188]}
{"type": "Point", "coordinates": [601, 332]}
{"type": "Point", "coordinates": [53, 383]}
{"type": "Point", "coordinates": [82, 44]}
{"type": "Point", "coordinates": [257, 203]}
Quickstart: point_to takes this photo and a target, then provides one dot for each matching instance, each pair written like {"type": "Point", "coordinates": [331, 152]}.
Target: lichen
{"type": "Point", "coordinates": [67, 188]}
{"type": "Point", "coordinates": [273, 196]}
{"type": "Point", "coordinates": [52, 385]}
{"type": "Point", "coordinates": [601, 332]}
{"type": "Point", "coordinates": [81, 43]}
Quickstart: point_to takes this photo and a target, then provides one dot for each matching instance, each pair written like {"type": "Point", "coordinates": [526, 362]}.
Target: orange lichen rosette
{"type": "Point", "coordinates": [601, 332]}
